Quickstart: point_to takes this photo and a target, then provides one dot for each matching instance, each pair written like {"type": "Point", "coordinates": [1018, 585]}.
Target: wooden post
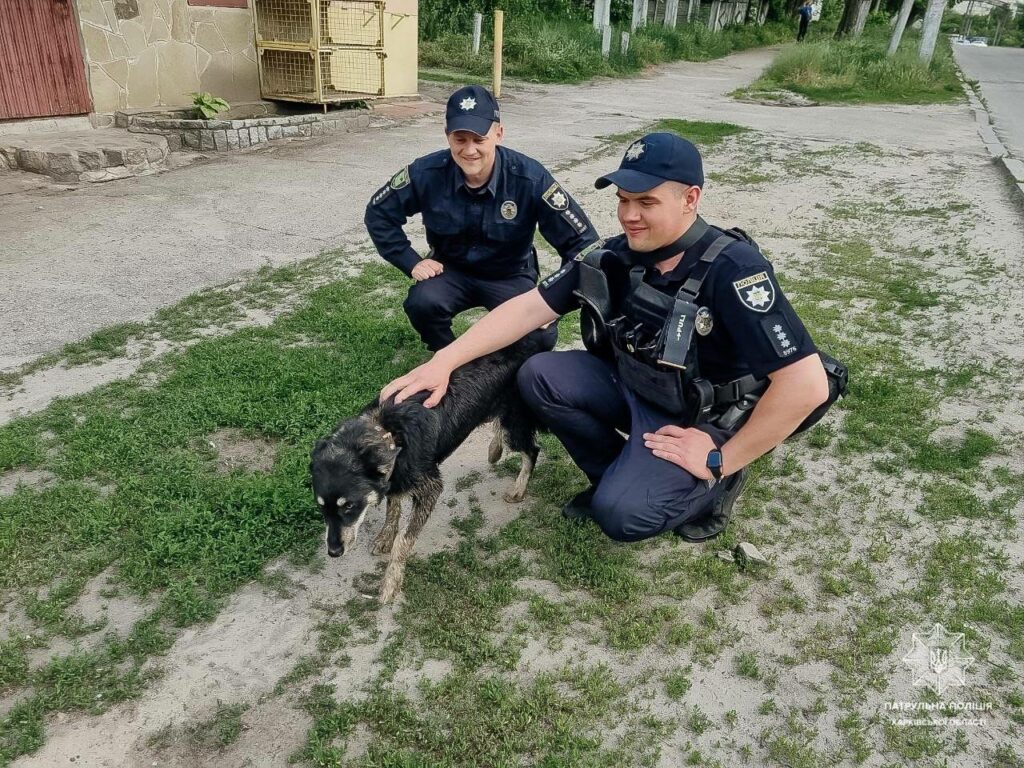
{"type": "Point", "coordinates": [606, 41]}
{"type": "Point", "coordinates": [478, 20]}
{"type": "Point", "coordinates": [692, 11]}
{"type": "Point", "coordinates": [499, 39]}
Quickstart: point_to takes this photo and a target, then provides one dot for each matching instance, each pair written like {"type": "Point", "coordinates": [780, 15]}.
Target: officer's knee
{"type": "Point", "coordinates": [422, 302]}
{"type": "Point", "coordinates": [533, 377]}
{"type": "Point", "coordinates": [621, 519]}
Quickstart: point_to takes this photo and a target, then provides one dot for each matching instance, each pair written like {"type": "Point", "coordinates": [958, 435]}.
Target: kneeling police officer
{"type": "Point", "coordinates": [693, 352]}
{"type": "Point", "coordinates": [481, 203]}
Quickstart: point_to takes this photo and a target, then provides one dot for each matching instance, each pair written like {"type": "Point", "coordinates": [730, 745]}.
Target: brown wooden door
{"type": "Point", "coordinates": [41, 67]}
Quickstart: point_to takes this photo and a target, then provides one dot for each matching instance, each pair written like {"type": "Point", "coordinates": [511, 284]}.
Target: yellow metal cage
{"type": "Point", "coordinates": [322, 51]}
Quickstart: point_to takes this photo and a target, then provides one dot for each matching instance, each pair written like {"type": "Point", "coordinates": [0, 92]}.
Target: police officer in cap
{"type": "Point", "coordinates": [481, 203]}
{"type": "Point", "coordinates": [693, 352]}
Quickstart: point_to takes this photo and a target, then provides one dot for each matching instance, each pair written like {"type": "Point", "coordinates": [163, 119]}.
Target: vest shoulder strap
{"type": "Point", "coordinates": [691, 288]}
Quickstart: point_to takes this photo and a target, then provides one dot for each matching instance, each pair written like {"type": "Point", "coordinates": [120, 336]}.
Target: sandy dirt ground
{"type": "Point", "coordinates": [805, 177]}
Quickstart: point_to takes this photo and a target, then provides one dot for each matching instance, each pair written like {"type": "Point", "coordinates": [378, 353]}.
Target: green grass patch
{"type": "Point", "coordinates": [569, 51]}
{"type": "Point", "coordinates": [858, 71]}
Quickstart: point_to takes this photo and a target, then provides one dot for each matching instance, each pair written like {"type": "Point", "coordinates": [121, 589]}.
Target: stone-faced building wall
{"type": "Point", "coordinates": [148, 53]}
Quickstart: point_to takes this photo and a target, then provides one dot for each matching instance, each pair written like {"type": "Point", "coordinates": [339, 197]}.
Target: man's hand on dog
{"type": "Point", "coordinates": [687, 448]}
{"type": "Point", "coordinates": [426, 269]}
{"type": "Point", "coordinates": [430, 377]}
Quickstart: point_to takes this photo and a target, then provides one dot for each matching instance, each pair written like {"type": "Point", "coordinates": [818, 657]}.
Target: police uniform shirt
{"type": "Point", "coordinates": [486, 232]}
{"type": "Point", "coordinates": [754, 328]}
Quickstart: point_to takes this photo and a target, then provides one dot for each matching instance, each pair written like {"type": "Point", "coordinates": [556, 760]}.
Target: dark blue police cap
{"type": "Point", "coordinates": [472, 108]}
{"type": "Point", "coordinates": [654, 159]}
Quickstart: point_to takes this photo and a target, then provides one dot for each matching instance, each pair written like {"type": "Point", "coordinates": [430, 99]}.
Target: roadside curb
{"type": "Point", "coordinates": [1013, 167]}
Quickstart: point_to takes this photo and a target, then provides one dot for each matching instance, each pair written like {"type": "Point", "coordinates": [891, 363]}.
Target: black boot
{"type": "Point", "coordinates": [578, 507]}
{"type": "Point", "coordinates": [715, 521]}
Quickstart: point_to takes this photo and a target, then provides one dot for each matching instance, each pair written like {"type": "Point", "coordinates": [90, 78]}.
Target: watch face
{"type": "Point", "coordinates": [714, 459]}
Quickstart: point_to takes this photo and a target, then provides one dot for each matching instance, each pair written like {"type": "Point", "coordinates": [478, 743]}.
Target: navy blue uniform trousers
{"type": "Point", "coordinates": [431, 304]}
{"type": "Point", "coordinates": [580, 399]}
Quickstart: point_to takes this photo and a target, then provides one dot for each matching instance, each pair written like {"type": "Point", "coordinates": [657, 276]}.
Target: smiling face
{"type": "Point", "coordinates": [475, 154]}
{"type": "Point", "coordinates": [659, 216]}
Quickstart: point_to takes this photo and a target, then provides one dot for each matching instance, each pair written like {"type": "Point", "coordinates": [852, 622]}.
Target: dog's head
{"type": "Point", "coordinates": [350, 471]}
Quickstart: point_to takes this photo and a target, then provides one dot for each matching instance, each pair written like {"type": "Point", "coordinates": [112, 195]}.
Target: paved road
{"type": "Point", "coordinates": [1000, 71]}
{"type": "Point", "coordinates": [72, 261]}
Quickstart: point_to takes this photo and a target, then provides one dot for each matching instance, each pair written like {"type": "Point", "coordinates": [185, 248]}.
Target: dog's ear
{"type": "Point", "coordinates": [379, 453]}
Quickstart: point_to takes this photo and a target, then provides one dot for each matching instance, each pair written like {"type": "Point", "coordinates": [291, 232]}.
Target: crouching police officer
{"type": "Point", "coordinates": [692, 351]}
{"type": "Point", "coordinates": [481, 203]}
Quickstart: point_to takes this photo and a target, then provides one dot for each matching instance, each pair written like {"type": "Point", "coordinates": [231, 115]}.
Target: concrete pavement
{"type": "Point", "coordinates": [1000, 76]}
{"type": "Point", "coordinates": [75, 260]}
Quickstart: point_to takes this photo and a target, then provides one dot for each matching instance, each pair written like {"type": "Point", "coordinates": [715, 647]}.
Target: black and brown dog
{"type": "Point", "coordinates": [395, 450]}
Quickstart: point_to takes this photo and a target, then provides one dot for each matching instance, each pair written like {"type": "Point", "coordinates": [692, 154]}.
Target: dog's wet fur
{"type": "Point", "coordinates": [395, 450]}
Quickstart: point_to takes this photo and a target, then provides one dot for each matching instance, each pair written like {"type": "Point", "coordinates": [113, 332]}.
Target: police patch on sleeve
{"type": "Point", "coordinates": [554, 277]}
{"type": "Point", "coordinates": [556, 197]}
{"type": "Point", "coordinates": [757, 292]}
{"type": "Point", "coordinates": [400, 179]}
{"type": "Point", "coordinates": [589, 249]}
{"type": "Point", "coordinates": [575, 221]}
{"type": "Point", "coordinates": [776, 327]}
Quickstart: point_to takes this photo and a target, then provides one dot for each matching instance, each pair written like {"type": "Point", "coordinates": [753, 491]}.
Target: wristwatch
{"type": "Point", "coordinates": [714, 463]}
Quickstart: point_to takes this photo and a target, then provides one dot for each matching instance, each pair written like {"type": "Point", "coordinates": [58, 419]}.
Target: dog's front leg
{"type": "Point", "coordinates": [424, 498]}
{"type": "Point", "coordinates": [517, 492]}
{"type": "Point", "coordinates": [386, 538]}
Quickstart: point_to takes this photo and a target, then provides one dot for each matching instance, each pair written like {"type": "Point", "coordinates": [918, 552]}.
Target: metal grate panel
{"type": "Point", "coordinates": [284, 21]}
{"type": "Point", "coordinates": [352, 22]}
{"type": "Point", "coordinates": [288, 75]}
{"type": "Point", "coordinates": [347, 72]}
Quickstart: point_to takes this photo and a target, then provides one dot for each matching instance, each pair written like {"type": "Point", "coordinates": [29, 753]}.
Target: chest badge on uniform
{"type": "Point", "coordinates": [509, 210]}
{"type": "Point", "coordinates": [635, 150]}
{"type": "Point", "coordinates": [556, 198]}
{"type": "Point", "coordinates": [757, 292]}
{"type": "Point", "coordinates": [703, 322]}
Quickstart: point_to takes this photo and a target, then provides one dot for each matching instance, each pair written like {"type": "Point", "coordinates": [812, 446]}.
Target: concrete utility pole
{"type": "Point", "coordinates": [599, 13]}
{"type": "Point", "coordinates": [606, 41]}
{"type": "Point", "coordinates": [716, 8]}
{"type": "Point", "coordinates": [478, 20]}
{"type": "Point", "coordinates": [930, 30]}
{"type": "Point", "coordinates": [901, 24]}
{"type": "Point", "coordinates": [671, 13]}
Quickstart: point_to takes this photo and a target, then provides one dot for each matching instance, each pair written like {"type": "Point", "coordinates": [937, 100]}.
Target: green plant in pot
{"type": "Point", "coordinates": [208, 106]}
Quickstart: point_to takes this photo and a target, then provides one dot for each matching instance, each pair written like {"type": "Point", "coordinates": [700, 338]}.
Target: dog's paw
{"type": "Point", "coordinates": [514, 495]}
{"type": "Point", "coordinates": [383, 544]}
{"type": "Point", "coordinates": [391, 585]}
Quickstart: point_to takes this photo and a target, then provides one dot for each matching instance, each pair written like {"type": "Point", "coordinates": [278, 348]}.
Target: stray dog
{"type": "Point", "coordinates": [394, 450]}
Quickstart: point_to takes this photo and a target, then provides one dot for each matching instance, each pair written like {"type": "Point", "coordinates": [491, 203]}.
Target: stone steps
{"type": "Point", "coordinates": [93, 156]}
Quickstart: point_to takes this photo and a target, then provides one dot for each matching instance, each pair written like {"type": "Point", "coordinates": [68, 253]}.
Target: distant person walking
{"type": "Point", "coordinates": [805, 11]}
